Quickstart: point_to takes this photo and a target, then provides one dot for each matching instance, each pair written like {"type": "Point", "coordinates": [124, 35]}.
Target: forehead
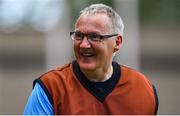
{"type": "Point", "coordinates": [98, 23]}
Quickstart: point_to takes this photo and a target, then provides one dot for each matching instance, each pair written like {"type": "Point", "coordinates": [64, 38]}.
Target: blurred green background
{"type": "Point", "coordinates": [34, 38]}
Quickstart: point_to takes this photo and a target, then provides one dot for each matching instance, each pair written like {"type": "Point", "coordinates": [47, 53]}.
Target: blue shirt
{"type": "Point", "coordinates": [38, 103]}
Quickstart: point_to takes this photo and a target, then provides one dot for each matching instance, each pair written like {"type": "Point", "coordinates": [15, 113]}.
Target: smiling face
{"type": "Point", "coordinates": [98, 55]}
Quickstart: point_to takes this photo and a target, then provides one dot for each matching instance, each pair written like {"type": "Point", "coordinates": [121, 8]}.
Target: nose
{"type": "Point", "coordinates": [85, 43]}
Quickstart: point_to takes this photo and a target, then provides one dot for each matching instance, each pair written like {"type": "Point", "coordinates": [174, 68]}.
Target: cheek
{"type": "Point", "coordinates": [103, 53]}
{"type": "Point", "coordinates": [111, 47]}
{"type": "Point", "coordinates": [76, 45]}
{"type": "Point", "coordinates": [108, 48]}
{"type": "Point", "coordinates": [76, 48]}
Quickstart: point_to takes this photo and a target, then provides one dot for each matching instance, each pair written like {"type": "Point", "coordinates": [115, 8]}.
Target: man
{"type": "Point", "coordinates": [93, 83]}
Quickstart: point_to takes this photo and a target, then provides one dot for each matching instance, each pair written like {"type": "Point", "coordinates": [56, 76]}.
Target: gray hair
{"type": "Point", "coordinates": [117, 23]}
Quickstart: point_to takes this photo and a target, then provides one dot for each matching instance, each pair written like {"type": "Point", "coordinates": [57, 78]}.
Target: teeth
{"type": "Point", "coordinates": [87, 54]}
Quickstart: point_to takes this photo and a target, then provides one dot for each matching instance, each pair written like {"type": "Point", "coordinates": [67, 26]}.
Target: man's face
{"type": "Point", "coordinates": [98, 55]}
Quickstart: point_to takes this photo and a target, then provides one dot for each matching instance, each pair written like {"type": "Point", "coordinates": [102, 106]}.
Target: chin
{"type": "Point", "coordinates": [87, 65]}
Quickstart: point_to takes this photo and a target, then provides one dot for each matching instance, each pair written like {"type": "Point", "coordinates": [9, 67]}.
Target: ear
{"type": "Point", "coordinates": [118, 43]}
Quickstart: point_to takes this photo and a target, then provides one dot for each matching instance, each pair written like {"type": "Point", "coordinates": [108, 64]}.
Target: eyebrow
{"type": "Point", "coordinates": [95, 33]}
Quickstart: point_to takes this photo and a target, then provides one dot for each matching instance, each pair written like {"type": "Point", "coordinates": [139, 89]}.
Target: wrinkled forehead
{"type": "Point", "coordinates": [97, 22]}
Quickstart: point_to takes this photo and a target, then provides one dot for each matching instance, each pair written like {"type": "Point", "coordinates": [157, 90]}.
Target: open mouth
{"type": "Point", "coordinates": [86, 54]}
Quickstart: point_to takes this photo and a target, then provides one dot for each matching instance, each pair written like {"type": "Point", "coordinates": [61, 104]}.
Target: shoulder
{"type": "Point", "coordinates": [63, 69]}
{"type": "Point", "coordinates": [130, 71]}
{"type": "Point", "coordinates": [57, 73]}
{"type": "Point", "coordinates": [131, 75]}
{"type": "Point", "coordinates": [139, 85]}
{"type": "Point", "coordinates": [54, 80]}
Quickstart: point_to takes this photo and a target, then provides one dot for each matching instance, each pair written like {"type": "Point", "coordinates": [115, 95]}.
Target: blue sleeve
{"type": "Point", "coordinates": [38, 103]}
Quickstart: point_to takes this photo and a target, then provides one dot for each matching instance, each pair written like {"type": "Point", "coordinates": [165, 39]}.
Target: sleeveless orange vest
{"type": "Point", "coordinates": [132, 93]}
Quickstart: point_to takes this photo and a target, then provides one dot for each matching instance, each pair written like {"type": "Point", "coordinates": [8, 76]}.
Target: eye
{"type": "Point", "coordinates": [78, 35]}
{"type": "Point", "coordinates": [94, 37]}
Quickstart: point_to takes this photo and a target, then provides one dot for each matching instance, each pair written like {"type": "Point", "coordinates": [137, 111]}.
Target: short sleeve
{"type": "Point", "coordinates": [38, 103]}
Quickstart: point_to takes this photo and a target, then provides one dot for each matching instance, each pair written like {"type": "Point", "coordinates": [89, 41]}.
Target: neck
{"type": "Point", "coordinates": [99, 75]}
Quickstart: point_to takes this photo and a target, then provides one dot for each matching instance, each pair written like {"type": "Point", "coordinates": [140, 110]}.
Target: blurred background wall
{"type": "Point", "coordinates": [34, 38]}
